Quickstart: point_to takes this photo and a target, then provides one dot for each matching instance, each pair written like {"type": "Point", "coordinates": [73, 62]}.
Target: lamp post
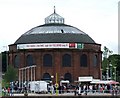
{"type": "Point", "coordinates": [110, 70]}
{"type": "Point", "coordinates": [115, 73]}
{"type": "Point", "coordinates": [107, 75]}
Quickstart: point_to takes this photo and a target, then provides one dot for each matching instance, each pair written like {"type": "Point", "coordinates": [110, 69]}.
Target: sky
{"type": "Point", "coordinates": [97, 18]}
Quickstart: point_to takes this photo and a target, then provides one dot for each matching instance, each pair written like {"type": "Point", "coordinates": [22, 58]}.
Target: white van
{"type": "Point", "coordinates": [38, 86]}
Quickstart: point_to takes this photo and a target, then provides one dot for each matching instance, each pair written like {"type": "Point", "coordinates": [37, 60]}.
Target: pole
{"type": "Point", "coordinates": [31, 74]}
{"type": "Point", "coordinates": [25, 76]}
{"type": "Point", "coordinates": [19, 78]}
{"type": "Point", "coordinates": [107, 73]}
{"type": "Point", "coordinates": [115, 73]}
{"type": "Point", "coordinates": [28, 74]}
{"type": "Point", "coordinates": [56, 84]}
{"type": "Point", "coordinates": [22, 79]}
{"type": "Point", "coordinates": [34, 73]}
{"type": "Point", "coordinates": [110, 71]}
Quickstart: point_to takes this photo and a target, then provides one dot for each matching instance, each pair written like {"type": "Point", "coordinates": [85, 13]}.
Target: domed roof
{"type": "Point", "coordinates": [54, 30]}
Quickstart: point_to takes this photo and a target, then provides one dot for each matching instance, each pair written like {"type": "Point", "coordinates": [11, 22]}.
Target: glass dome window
{"type": "Point", "coordinates": [54, 18]}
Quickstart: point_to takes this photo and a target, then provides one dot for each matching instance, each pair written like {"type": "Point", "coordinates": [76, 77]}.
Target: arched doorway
{"type": "Point", "coordinates": [46, 77]}
{"type": "Point", "coordinates": [68, 76]}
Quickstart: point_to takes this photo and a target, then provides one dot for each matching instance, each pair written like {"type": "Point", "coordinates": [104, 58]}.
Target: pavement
{"type": "Point", "coordinates": [66, 94]}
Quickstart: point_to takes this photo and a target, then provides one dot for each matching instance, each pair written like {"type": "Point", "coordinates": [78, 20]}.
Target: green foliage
{"type": "Point", "coordinates": [11, 74]}
{"type": "Point", "coordinates": [5, 84]}
{"type": "Point", "coordinates": [115, 61]}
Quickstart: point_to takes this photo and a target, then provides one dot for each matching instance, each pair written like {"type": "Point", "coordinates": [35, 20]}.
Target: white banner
{"type": "Point", "coordinates": [43, 45]}
{"type": "Point", "coordinates": [50, 45]}
{"type": "Point", "coordinates": [85, 79]}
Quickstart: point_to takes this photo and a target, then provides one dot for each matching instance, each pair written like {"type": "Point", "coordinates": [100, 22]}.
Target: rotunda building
{"type": "Point", "coordinates": [55, 48]}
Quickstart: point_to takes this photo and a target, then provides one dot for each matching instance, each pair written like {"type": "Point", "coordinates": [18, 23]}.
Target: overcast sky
{"type": "Point", "coordinates": [97, 18]}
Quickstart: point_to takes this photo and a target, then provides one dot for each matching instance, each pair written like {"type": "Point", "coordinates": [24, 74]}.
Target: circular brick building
{"type": "Point", "coordinates": [55, 49]}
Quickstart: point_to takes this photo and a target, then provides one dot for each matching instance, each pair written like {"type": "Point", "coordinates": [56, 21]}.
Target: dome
{"type": "Point", "coordinates": [54, 31]}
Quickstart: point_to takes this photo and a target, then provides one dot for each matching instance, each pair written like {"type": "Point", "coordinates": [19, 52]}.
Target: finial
{"type": "Point", "coordinates": [54, 9]}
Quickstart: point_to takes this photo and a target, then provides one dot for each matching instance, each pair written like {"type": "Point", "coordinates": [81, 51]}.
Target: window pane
{"type": "Point", "coordinates": [66, 60]}
{"type": "Point", "coordinates": [29, 60]}
{"type": "Point", "coordinates": [95, 60]}
{"type": "Point", "coordinates": [46, 76]}
{"type": "Point", "coordinates": [47, 60]}
{"type": "Point", "coordinates": [83, 60]}
{"type": "Point", "coordinates": [16, 61]}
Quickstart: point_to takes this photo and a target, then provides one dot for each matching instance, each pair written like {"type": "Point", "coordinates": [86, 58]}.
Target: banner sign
{"type": "Point", "coordinates": [85, 79]}
{"type": "Point", "coordinates": [50, 45]}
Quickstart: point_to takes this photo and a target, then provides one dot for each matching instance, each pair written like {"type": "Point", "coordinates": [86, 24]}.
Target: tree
{"type": "Point", "coordinates": [115, 61]}
{"type": "Point", "coordinates": [11, 74]}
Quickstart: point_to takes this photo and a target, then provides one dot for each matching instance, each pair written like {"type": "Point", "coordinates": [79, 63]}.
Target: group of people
{"type": "Point", "coordinates": [7, 91]}
{"type": "Point", "coordinates": [100, 88]}
{"type": "Point", "coordinates": [57, 89]}
{"type": "Point", "coordinates": [10, 89]}
{"type": "Point", "coordinates": [78, 89]}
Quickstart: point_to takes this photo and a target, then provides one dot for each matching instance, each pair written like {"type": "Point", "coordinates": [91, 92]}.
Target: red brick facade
{"type": "Point", "coordinates": [75, 70]}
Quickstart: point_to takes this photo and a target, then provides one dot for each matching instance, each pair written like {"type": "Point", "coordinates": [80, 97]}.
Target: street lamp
{"type": "Point", "coordinates": [115, 73]}
{"type": "Point", "coordinates": [107, 75]}
{"type": "Point", "coordinates": [110, 71]}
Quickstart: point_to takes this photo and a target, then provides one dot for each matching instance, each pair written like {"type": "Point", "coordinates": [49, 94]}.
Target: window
{"type": "Point", "coordinates": [47, 60]}
{"type": "Point", "coordinates": [95, 60]}
{"type": "Point", "coordinates": [83, 60]}
{"type": "Point", "coordinates": [66, 60]}
{"type": "Point", "coordinates": [68, 76]}
{"type": "Point", "coordinates": [16, 61]}
{"type": "Point", "coordinates": [46, 76]}
{"type": "Point", "coordinates": [30, 60]}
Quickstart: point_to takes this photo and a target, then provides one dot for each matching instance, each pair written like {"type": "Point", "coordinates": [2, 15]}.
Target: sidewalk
{"type": "Point", "coordinates": [65, 94]}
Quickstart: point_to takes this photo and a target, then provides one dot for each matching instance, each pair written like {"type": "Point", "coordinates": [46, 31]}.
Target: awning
{"type": "Point", "coordinates": [95, 81]}
{"type": "Point", "coordinates": [104, 82]}
{"type": "Point", "coordinates": [113, 82]}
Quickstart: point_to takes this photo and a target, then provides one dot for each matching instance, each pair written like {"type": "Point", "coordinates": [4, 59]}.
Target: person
{"type": "Point", "coordinates": [8, 91]}
{"type": "Point", "coordinates": [4, 91]}
{"type": "Point", "coordinates": [113, 90]}
{"type": "Point", "coordinates": [86, 89]}
{"type": "Point", "coordinates": [79, 90]}
{"type": "Point", "coordinates": [116, 89]}
{"type": "Point", "coordinates": [11, 91]}
{"type": "Point", "coordinates": [90, 88]}
{"type": "Point", "coordinates": [52, 89]}
{"type": "Point", "coordinates": [76, 90]}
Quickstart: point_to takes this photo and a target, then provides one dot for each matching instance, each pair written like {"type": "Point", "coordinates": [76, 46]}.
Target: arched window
{"type": "Point", "coordinates": [47, 60]}
{"type": "Point", "coordinates": [30, 60]}
{"type": "Point", "coordinates": [83, 60]}
{"type": "Point", "coordinates": [46, 76]}
{"type": "Point", "coordinates": [95, 60]}
{"type": "Point", "coordinates": [66, 60]}
{"type": "Point", "coordinates": [16, 61]}
{"type": "Point", "coordinates": [68, 76]}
